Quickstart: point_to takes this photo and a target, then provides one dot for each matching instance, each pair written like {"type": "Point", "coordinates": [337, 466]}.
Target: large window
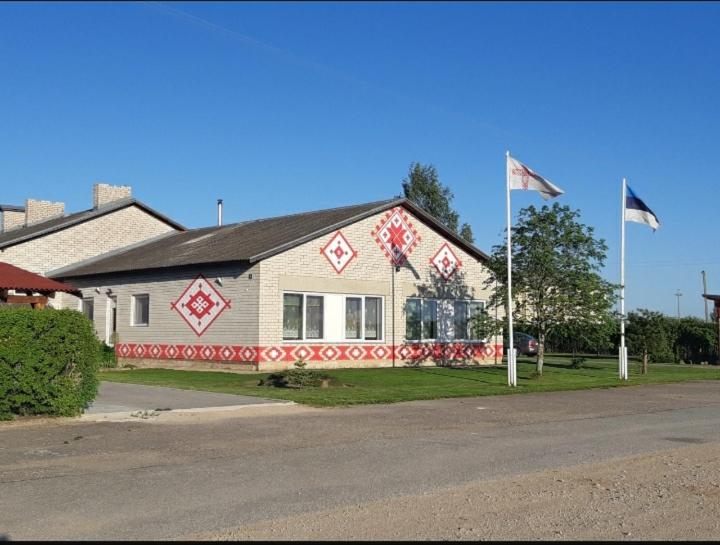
{"type": "Point", "coordinates": [88, 308]}
{"type": "Point", "coordinates": [433, 319]}
{"type": "Point", "coordinates": [141, 310]}
{"type": "Point", "coordinates": [303, 316]}
{"type": "Point", "coordinates": [332, 317]}
{"type": "Point", "coordinates": [363, 318]}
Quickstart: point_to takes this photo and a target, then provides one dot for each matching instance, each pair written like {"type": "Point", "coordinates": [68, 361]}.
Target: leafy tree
{"type": "Point", "coordinates": [466, 233]}
{"type": "Point", "coordinates": [422, 186]}
{"type": "Point", "coordinates": [555, 278]}
{"type": "Point", "coordinates": [646, 334]}
{"type": "Point", "coordinates": [485, 326]}
{"type": "Point", "coordinates": [586, 336]}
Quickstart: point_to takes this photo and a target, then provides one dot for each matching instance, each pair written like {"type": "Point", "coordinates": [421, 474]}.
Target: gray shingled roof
{"type": "Point", "coordinates": [249, 241]}
{"type": "Point", "coordinates": [11, 208]}
{"type": "Point", "coordinates": [23, 234]}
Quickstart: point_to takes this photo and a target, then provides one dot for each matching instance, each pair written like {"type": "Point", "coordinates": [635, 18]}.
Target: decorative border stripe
{"type": "Point", "coordinates": [322, 352]}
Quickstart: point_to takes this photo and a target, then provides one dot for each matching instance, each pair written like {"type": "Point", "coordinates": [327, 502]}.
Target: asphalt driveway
{"type": "Point", "coordinates": [118, 398]}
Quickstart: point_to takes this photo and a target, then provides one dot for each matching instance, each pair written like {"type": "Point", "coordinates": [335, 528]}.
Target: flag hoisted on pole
{"type": "Point", "coordinates": [633, 209]}
{"type": "Point", "coordinates": [519, 176]}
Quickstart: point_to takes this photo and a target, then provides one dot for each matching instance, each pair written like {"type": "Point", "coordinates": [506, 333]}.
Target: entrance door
{"type": "Point", "coordinates": [111, 320]}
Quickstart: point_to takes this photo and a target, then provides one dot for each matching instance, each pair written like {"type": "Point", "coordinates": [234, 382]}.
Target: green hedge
{"type": "Point", "coordinates": [48, 362]}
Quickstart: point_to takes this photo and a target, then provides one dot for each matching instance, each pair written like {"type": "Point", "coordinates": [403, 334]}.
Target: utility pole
{"type": "Point", "coordinates": [678, 295]}
{"type": "Point", "coordinates": [704, 276]}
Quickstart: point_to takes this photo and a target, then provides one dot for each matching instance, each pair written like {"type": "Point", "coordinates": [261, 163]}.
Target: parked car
{"type": "Point", "coordinates": [526, 345]}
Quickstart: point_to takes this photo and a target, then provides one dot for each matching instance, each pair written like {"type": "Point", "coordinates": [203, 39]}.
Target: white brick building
{"type": "Point", "coordinates": [378, 284]}
{"type": "Point", "coordinates": [39, 237]}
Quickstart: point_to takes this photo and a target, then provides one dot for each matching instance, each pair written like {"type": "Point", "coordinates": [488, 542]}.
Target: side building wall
{"type": "Point", "coordinates": [224, 331]}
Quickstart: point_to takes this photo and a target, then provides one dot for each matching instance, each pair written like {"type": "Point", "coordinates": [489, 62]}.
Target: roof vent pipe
{"type": "Point", "coordinates": [220, 212]}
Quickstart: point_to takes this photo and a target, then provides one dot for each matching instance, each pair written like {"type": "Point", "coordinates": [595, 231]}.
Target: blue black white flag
{"type": "Point", "coordinates": [637, 210]}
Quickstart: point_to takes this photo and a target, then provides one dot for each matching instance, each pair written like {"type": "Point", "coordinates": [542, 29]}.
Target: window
{"type": "Point", "coordinates": [88, 308]}
{"type": "Point", "coordinates": [421, 322]}
{"type": "Point", "coordinates": [373, 318]}
{"type": "Point", "coordinates": [363, 318]}
{"type": "Point", "coordinates": [464, 311]}
{"type": "Point", "coordinates": [314, 317]}
{"type": "Point", "coordinates": [429, 319]}
{"type": "Point", "coordinates": [141, 310]}
{"type": "Point", "coordinates": [353, 318]}
{"type": "Point", "coordinates": [475, 308]}
{"type": "Point", "coordinates": [460, 320]}
{"type": "Point", "coordinates": [413, 326]}
{"type": "Point", "coordinates": [292, 316]}
{"type": "Point", "coordinates": [303, 316]}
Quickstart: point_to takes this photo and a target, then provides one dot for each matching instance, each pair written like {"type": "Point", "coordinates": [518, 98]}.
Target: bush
{"type": "Point", "coordinates": [295, 378]}
{"type": "Point", "coordinates": [48, 362]}
{"type": "Point", "coordinates": [108, 359]}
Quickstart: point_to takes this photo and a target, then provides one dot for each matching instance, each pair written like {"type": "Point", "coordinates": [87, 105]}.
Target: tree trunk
{"type": "Point", "coordinates": [645, 363]}
{"type": "Point", "coordinates": [541, 354]}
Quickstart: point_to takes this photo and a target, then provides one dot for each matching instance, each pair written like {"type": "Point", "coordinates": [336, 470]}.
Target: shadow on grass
{"type": "Point", "coordinates": [447, 372]}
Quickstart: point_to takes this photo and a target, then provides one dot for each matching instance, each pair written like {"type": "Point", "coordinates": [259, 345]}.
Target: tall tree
{"type": "Point", "coordinates": [422, 186]}
{"type": "Point", "coordinates": [647, 337]}
{"type": "Point", "coordinates": [466, 232]}
{"type": "Point", "coordinates": [555, 277]}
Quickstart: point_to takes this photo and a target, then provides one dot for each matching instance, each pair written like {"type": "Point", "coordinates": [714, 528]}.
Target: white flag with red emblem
{"type": "Point", "coordinates": [523, 177]}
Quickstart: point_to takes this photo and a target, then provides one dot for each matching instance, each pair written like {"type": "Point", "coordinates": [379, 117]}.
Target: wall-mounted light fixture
{"type": "Point", "coordinates": [218, 281]}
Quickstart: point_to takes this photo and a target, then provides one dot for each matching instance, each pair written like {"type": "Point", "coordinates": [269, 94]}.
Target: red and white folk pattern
{"type": "Point", "coordinates": [445, 261]}
{"type": "Point", "coordinates": [396, 235]}
{"type": "Point", "coordinates": [318, 353]}
{"type": "Point", "coordinates": [200, 305]}
{"type": "Point", "coordinates": [338, 252]}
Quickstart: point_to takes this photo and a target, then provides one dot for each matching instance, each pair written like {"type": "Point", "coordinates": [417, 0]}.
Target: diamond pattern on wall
{"type": "Point", "coordinates": [200, 304]}
{"type": "Point", "coordinates": [445, 261]}
{"type": "Point", "coordinates": [338, 252]}
{"type": "Point", "coordinates": [396, 235]}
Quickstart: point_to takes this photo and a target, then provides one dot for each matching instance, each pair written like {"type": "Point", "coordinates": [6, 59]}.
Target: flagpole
{"type": "Point", "coordinates": [622, 355]}
{"type": "Point", "coordinates": [512, 376]}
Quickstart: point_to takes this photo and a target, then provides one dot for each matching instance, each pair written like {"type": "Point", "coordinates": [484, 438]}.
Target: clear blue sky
{"type": "Point", "coordinates": [288, 107]}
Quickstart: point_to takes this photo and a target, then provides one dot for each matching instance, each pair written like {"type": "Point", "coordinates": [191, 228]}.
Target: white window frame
{"type": "Point", "coordinates": [362, 339]}
{"type": "Point", "coordinates": [441, 304]}
{"type": "Point", "coordinates": [468, 301]}
{"type": "Point", "coordinates": [303, 338]}
{"type": "Point", "coordinates": [133, 299]}
{"type": "Point", "coordinates": [341, 339]}
{"type": "Point", "coordinates": [81, 305]}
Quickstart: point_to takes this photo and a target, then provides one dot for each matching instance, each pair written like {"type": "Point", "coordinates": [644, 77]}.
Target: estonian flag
{"type": "Point", "coordinates": [637, 210]}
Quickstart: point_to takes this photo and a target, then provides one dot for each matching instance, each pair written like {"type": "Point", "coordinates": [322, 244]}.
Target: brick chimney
{"type": "Point", "coordinates": [36, 211]}
{"type": "Point", "coordinates": [105, 194]}
{"type": "Point", "coordinates": [12, 217]}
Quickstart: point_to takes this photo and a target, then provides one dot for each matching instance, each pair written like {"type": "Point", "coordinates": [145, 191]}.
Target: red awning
{"type": "Point", "coordinates": [15, 278]}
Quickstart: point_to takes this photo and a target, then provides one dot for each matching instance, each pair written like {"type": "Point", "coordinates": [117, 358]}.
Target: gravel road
{"type": "Point", "coordinates": [513, 466]}
{"type": "Point", "coordinates": [673, 495]}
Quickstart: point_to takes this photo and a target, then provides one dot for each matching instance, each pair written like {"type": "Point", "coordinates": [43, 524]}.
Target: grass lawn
{"type": "Point", "coordinates": [358, 386]}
